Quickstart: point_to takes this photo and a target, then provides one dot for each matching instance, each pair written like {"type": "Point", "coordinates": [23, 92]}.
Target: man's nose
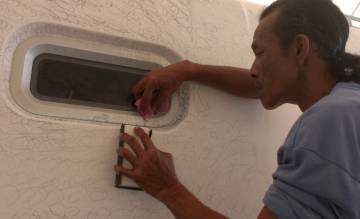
{"type": "Point", "coordinates": [254, 75]}
{"type": "Point", "coordinates": [253, 72]}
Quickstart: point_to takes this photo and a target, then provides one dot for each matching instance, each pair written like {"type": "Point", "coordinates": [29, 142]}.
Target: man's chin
{"type": "Point", "coordinates": [270, 105]}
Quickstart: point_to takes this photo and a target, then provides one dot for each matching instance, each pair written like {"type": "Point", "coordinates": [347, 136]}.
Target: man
{"type": "Point", "coordinates": [300, 59]}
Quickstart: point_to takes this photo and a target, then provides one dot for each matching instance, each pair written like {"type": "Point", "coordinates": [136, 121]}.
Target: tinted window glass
{"type": "Point", "coordinates": [76, 81]}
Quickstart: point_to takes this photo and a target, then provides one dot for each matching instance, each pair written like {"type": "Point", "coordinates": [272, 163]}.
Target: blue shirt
{"type": "Point", "coordinates": [318, 173]}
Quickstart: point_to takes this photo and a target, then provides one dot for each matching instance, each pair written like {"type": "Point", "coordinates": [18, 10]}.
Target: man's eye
{"type": "Point", "coordinates": [258, 54]}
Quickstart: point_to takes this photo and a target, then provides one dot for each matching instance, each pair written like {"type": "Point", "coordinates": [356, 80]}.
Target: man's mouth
{"type": "Point", "coordinates": [258, 85]}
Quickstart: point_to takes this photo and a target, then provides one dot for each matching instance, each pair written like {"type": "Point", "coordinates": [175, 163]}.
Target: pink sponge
{"type": "Point", "coordinates": [148, 115]}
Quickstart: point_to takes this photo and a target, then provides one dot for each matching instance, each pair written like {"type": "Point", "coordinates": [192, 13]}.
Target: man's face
{"type": "Point", "coordinates": [274, 70]}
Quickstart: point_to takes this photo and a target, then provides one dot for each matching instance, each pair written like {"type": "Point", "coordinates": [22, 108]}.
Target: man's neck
{"type": "Point", "coordinates": [315, 87]}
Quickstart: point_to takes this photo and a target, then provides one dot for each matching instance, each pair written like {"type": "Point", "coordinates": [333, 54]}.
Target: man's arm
{"type": "Point", "coordinates": [156, 88]}
{"type": "Point", "coordinates": [233, 80]}
{"type": "Point", "coordinates": [265, 213]}
{"type": "Point", "coordinates": [184, 205]}
{"type": "Point", "coordinates": [154, 171]}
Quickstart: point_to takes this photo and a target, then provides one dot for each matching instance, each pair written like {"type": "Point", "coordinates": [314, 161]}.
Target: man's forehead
{"type": "Point", "coordinates": [264, 31]}
{"type": "Point", "coordinates": [260, 37]}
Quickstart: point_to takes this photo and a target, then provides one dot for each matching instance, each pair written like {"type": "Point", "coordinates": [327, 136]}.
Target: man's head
{"type": "Point", "coordinates": [296, 45]}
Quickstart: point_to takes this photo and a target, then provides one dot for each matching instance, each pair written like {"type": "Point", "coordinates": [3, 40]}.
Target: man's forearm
{"type": "Point", "coordinates": [184, 205]}
{"type": "Point", "coordinates": [234, 80]}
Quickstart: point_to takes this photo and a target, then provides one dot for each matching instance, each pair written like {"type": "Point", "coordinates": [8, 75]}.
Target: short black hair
{"type": "Point", "coordinates": [324, 23]}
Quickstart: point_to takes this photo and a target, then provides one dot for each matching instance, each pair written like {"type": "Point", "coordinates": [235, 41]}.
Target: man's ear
{"type": "Point", "coordinates": [302, 48]}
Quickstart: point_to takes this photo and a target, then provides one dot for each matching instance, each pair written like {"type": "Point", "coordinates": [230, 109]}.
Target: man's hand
{"type": "Point", "coordinates": [153, 170]}
{"type": "Point", "coordinates": [156, 88]}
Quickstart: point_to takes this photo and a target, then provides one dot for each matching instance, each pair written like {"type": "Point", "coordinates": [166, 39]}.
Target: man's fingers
{"type": "Point", "coordinates": [161, 101]}
{"type": "Point", "coordinates": [145, 106]}
{"type": "Point", "coordinates": [124, 171]}
{"type": "Point", "coordinates": [144, 137]}
{"type": "Point", "coordinates": [139, 88]}
{"type": "Point", "coordinates": [133, 143]}
{"type": "Point", "coordinates": [123, 152]}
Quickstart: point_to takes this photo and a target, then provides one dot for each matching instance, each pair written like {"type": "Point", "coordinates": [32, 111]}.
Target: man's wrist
{"type": "Point", "coordinates": [191, 70]}
{"type": "Point", "coordinates": [183, 204]}
{"type": "Point", "coordinates": [167, 196]}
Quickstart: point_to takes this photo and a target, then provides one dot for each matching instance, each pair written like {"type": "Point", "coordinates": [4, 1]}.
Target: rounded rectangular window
{"type": "Point", "coordinates": [64, 73]}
